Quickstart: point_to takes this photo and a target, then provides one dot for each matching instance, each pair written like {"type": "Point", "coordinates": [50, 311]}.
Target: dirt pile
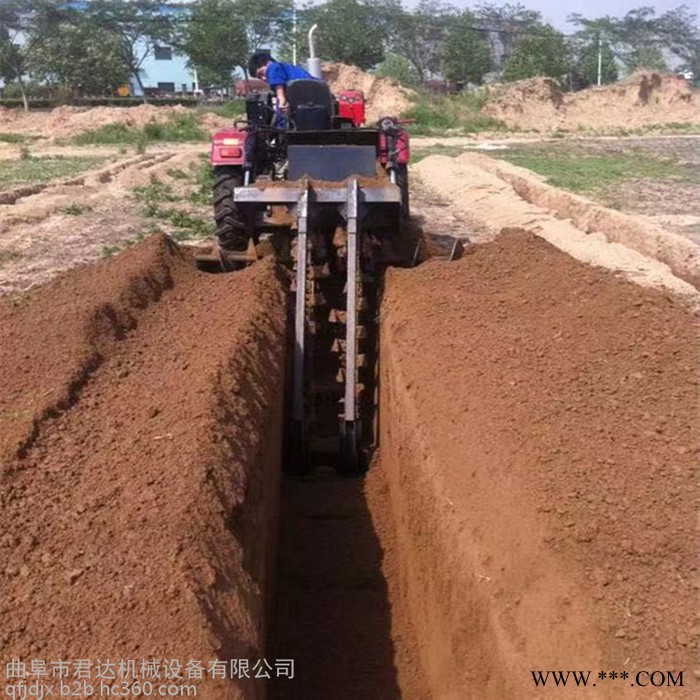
{"type": "Point", "coordinates": [538, 441]}
{"type": "Point", "coordinates": [67, 121]}
{"type": "Point", "coordinates": [644, 99]}
{"type": "Point", "coordinates": [384, 96]}
{"type": "Point", "coordinates": [140, 424]}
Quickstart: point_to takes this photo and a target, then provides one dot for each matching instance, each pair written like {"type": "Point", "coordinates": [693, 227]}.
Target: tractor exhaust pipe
{"type": "Point", "coordinates": [314, 64]}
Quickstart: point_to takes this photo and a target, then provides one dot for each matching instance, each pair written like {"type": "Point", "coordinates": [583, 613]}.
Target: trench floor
{"type": "Point", "coordinates": [332, 605]}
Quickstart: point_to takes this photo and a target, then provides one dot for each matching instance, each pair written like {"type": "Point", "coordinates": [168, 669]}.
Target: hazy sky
{"type": "Point", "coordinates": [556, 11]}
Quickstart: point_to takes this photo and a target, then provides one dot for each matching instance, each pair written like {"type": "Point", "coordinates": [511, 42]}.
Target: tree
{"type": "Point", "coordinates": [349, 31]}
{"type": "Point", "coordinates": [467, 55]}
{"type": "Point", "coordinates": [505, 25]}
{"type": "Point", "coordinates": [85, 58]}
{"type": "Point", "coordinates": [215, 40]}
{"type": "Point", "coordinates": [140, 26]}
{"type": "Point", "coordinates": [14, 51]}
{"type": "Point", "coordinates": [586, 65]}
{"type": "Point", "coordinates": [420, 36]}
{"type": "Point", "coordinates": [268, 23]}
{"type": "Point", "coordinates": [541, 52]}
{"type": "Point", "coordinates": [398, 68]}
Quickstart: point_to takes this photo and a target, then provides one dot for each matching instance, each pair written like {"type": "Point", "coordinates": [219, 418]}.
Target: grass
{"type": "Point", "coordinates": [458, 114]}
{"type": "Point", "coordinates": [589, 173]}
{"type": "Point", "coordinates": [204, 183]}
{"type": "Point", "coordinates": [417, 154]}
{"type": "Point", "coordinates": [30, 169]}
{"type": "Point", "coordinates": [186, 224]}
{"type": "Point", "coordinates": [231, 109]}
{"type": "Point", "coordinates": [17, 138]}
{"type": "Point", "coordinates": [77, 209]}
{"type": "Point", "coordinates": [180, 128]}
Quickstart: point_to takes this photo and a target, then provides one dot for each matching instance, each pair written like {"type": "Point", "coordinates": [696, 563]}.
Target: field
{"type": "Point", "coordinates": [531, 503]}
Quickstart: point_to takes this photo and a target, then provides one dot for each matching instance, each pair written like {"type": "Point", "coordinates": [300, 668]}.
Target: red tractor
{"type": "Point", "coordinates": [330, 196]}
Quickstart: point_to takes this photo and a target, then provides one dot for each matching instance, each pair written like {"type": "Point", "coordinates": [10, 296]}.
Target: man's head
{"type": "Point", "coordinates": [257, 66]}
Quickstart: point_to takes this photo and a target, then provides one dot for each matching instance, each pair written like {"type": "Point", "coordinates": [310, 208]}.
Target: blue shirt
{"type": "Point", "coordinates": [281, 73]}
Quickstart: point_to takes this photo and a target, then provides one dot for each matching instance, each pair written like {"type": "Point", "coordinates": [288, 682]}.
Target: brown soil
{"type": "Point", "coordinates": [497, 194]}
{"type": "Point", "coordinates": [385, 97]}
{"type": "Point", "coordinates": [39, 237]}
{"type": "Point", "coordinates": [538, 441]}
{"type": "Point", "coordinates": [140, 426]}
{"type": "Point", "coordinates": [63, 122]}
{"type": "Point", "coordinates": [644, 99]}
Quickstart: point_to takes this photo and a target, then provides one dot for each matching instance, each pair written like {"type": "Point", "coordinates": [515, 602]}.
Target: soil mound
{"type": "Point", "coordinates": [69, 121]}
{"type": "Point", "coordinates": [540, 468]}
{"type": "Point", "coordinates": [384, 96]}
{"type": "Point", "coordinates": [141, 425]}
{"type": "Point", "coordinates": [645, 98]}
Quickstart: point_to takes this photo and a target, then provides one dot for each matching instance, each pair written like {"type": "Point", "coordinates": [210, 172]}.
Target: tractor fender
{"type": "Point", "coordinates": [228, 147]}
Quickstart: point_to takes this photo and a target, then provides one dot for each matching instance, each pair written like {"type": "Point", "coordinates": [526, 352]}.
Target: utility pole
{"type": "Point", "coordinates": [600, 58]}
{"type": "Point", "coordinates": [294, 33]}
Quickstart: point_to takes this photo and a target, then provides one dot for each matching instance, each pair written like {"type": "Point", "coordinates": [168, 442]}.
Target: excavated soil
{"type": "Point", "coordinates": [644, 99]}
{"type": "Point", "coordinates": [384, 97]}
{"type": "Point", "coordinates": [538, 443]}
{"type": "Point", "coordinates": [140, 434]}
{"type": "Point", "coordinates": [67, 121]}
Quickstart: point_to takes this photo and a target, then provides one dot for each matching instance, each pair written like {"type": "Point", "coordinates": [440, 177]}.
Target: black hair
{"type": "Point", "coordinates": [257, 60]}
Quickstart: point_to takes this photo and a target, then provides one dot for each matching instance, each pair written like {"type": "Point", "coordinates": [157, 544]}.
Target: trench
{"type": "Point", "coordinates": [332, 612]}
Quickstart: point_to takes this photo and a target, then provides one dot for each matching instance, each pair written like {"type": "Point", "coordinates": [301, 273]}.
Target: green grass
{"type": "Point", "coordinates": [588, 173]}
{"type": "Point", "coordinates": [39, 170]}
{"type": "Point", "coordinates": [204, 183]}
{"type": "Point", "coordinates": [186, 224]}
{"type": "Point", "coordinates": [181, 128]}
{"type": "Point", "coordinates": [77, 209]}
{"type": "Point", "coordinates": [437, 114]}
{"type": "Point", "coordinates": [17, 138]}
{"type": "Point", "coordinates": [231, 109]}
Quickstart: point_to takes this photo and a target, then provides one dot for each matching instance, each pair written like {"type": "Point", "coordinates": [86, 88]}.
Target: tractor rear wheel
{"type": "Point", "coordinates": [230, 227]}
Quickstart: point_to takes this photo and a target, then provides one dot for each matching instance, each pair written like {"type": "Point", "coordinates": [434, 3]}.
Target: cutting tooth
{"type": "Point", "coordinates": [339, 345]}
{"type": "Point", "coordinates": [337, 316]}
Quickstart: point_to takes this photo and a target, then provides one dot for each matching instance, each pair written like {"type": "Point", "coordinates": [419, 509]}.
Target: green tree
{"type": "Point", "coordinates": [420, 36]}
{"type": "Point", "coordinates": [349, 31]}
{"type": "Point", "coordinates": [505, 24]}
{"type": "Point", "coordinates": [541, 52]}
{"type": "Point", "coordinates": [215, 40]}
{"type": "Point", "coordinates": [140, 26]}
{"type": "Point", "coordinates": [14, 51]}
{"type": "Point", "coordinates": [268, 23]}
{"type": "Point", "coordinates": [398, 68]}
{"type": "Point", "coordinates": [586, 64]}
{"type": "Point", "coordinates": [80, 56]}
{"type": "Point", "coordinates": [467, 56]}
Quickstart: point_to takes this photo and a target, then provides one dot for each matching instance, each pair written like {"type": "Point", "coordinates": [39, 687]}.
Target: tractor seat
{"type": "Point", "coordinates": [311, 105]}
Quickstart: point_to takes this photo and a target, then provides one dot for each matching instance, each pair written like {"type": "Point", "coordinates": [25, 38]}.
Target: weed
{"type": "Point", "coordinates": [109, 250]}
{"type": "Point", "coordinates": [157, 191]}
{"type": "Point", "coordinates": [32, 169]}
{"type": "Point", "coordinates": [204, 179]}
{"type": "Point", "coordinates": [458, 113]}
{"type": "Point", "coordinates": [177, 174]}
{"type": "Point", "coordinates": [77, 209]}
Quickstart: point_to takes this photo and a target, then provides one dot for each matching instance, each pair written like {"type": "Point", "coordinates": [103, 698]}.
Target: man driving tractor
{"type": "Point", "coordinates": [277, 75]}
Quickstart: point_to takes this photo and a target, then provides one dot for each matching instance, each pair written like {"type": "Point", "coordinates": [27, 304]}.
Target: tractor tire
{"type": "Point", "coordinates": [402, 182]}
{"type": "Point", "coordinates": [230, 227]}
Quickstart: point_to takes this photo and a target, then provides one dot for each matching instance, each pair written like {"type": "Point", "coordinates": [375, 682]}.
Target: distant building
{"type": "Point", "coordinates": [164, 71]}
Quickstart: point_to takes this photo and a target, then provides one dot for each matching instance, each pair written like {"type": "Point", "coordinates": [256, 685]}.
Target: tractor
{"type": "Point", "coordinates": [328, 195]}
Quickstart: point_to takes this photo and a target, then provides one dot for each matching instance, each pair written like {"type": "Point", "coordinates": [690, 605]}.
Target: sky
{"type": "Point", "coordinates": [556, 11]}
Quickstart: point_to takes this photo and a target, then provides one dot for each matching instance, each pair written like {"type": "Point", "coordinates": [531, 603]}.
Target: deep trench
{"type": "Point", "coordinates": [331, 610]}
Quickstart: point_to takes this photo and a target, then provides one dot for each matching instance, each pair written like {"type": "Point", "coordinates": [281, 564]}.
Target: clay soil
{"type": "Point", "coordinates": [140, 436]}
{"type": "Point", "coordinates": [539, 440]}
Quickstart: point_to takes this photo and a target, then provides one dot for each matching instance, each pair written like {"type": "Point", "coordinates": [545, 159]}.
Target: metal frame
{"type": "Point", "coordinates": [300, 308]}
{"type": "Point", "coordinates": [384, 194]}
{"type": "Point", "coordinates": [352, 215]}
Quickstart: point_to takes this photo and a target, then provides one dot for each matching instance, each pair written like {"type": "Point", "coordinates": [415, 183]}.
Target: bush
{"type": "Point", "coordinates": [440, 113]}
